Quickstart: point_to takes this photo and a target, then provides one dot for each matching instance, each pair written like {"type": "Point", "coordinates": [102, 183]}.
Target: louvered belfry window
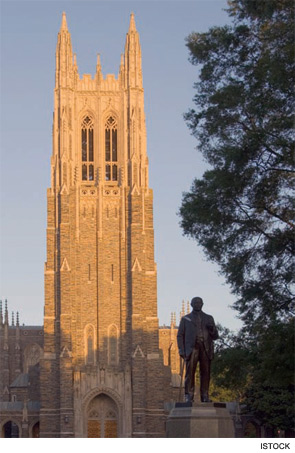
{"type": "Point", "coordinates": [87, 149]}
{"type": "Point", "coordinates": [111, 150]}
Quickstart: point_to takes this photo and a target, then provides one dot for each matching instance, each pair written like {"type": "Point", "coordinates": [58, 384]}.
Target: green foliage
{"type": "Point", "coordinates": [232, 365]}
{"type": "Point", "coordinates": [259, 374]}
{"type": "Point", "coordinates": [270, 394]}
{"type": "Point", "coordinates": [242, 210]}
{"type": "Point", "coordinates": [273, 405]}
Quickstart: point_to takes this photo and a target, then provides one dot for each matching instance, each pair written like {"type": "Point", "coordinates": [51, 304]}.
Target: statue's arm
{"type": "Point", "coordinates": [212, 329]}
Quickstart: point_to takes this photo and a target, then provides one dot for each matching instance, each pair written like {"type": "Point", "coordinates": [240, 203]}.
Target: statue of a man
{"type": "Point", "coordinates": [195, 337]}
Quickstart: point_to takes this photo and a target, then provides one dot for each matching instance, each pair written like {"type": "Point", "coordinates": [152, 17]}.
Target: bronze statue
{"type": "Point", "coordinates": [195, 337]}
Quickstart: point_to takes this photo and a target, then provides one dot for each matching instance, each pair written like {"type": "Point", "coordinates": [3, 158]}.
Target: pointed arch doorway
{"type": "Point", "coordinates": [102, 417]}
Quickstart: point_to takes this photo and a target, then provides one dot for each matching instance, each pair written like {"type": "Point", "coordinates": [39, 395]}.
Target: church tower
{"type": "Point", "coordinates": [102, 373]}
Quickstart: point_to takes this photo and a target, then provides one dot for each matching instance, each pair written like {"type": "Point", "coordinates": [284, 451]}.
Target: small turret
{"type": "Point", "coordinates": [98, 69]}
{"type": "Point", "coordinates": [132, 26]}
{"type": "Point", "coordinates": [6, 322]}
{"type": "Point", "coordinates": [173, 320]}
{"type": "Point", "coordinates": [64, 25]}
{"type": "Point", "coordinates": [75, 65]}
{"type": "Point", "coordinates": [182, 313]}
{"type": "Point", "coordinates": [1, 314]}
{"type": "Point", "coordinates": [17, 333]}
{"type": "Point", "coordinates": [188, 307]}
{"type": "Point", "coordinates": [17, 346]}
{"type": "Point", "coordinates": [133, 56]}
{"type": "Point", "coordinates": [63, 55]}
{"type": "Point", "coordinates": [6, 325]}
{"type": "Point", "coordinates": [122, 70]}
{"type": "Point", "coordinates": [98, 63]}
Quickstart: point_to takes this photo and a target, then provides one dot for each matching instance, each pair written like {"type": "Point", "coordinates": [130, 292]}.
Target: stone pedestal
{"type": "Point", "coordinates": [200, 420]}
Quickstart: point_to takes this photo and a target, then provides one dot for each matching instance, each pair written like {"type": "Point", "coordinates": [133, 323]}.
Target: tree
{"type": "Point", "coordinates": [259, 375]}
{"type": "Point", "coordinates": [242, 210]}
{"type": "Point", "coordinates": [232, 365]}
{"type": "Point", "coordinates": [270, 392]}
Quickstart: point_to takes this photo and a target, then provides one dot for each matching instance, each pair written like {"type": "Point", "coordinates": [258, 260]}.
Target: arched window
{"type": "Point", "coordinates": [87, 149]}
{"type": "Point", "coordinates": [111, 150]}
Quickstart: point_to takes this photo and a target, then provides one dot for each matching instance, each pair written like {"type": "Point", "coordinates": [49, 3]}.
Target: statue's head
{"type": "Point", "coordinates": [197, 303]}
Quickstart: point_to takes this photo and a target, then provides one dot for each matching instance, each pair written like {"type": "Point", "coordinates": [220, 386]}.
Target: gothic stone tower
{"type": "Point", "coordinates": [102, 374]}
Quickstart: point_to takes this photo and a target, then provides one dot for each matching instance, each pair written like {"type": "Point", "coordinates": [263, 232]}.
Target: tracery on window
{"type": "Point", "coordinates": [87, 147]}
{"type": "Point", "coordinates": [111, 149]}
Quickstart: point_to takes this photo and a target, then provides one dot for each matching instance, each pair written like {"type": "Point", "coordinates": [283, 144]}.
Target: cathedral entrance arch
{"type": "Point", "coordinates": [36, 430]}
{"type": "Point", "coordinates": [10, 430]}
{"type": "Point", "coordinates": [102, 417]}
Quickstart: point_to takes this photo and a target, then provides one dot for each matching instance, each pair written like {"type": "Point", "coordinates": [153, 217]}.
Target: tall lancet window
{"type": "Point", "coordinates": [111, 151]}
{"type": "Point", "coordinates": [87, 149]}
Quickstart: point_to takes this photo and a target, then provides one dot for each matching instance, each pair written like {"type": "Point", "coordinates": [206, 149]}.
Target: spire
{"type": "Point", "coordinates": [64, 55]}
{"type": "Point", "coordinates": [122, 71]}
{"type": "Point", "coordinates": [1, 314]}
{"type": "Point", "coordinates": [182, 309]}
{"type": "Point", "coordinates": [64, 25]}
{"type": "Point", "coordinates": [133, 56]}
{"type": "Point", "coordinates": [98, 74]}
{"type": "Point", "coordinates": [173, 320]}
{"type": "Point", "coordinates": [6, 325]}
{"type": "Point", "coordinates": [17, 337]}
{"type": "Point", "coordinates": [75, 61]}
{"type": "Point", "coordinates": [98, 65]}
{"type": "Point", "coordinates": [6, 313]}
{"type": "Point", "coordinates": [12, 318]}
{"type": "Point", "coordinates": [132, 26]}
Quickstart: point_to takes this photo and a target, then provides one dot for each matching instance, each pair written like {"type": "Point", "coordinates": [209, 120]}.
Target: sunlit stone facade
{"type": "Point", "coordinates": [102, 372]}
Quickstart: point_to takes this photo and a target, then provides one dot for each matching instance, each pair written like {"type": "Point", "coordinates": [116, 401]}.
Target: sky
{"type": "Point", "coordinates": [28, 40]}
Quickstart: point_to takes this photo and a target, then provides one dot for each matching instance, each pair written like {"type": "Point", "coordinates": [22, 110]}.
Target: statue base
{"type": "Point", "coordinates": [200, 420]}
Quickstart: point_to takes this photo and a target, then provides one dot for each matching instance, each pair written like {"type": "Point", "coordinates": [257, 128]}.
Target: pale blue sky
{"type": "Point", "coordinates": [28, 39]}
